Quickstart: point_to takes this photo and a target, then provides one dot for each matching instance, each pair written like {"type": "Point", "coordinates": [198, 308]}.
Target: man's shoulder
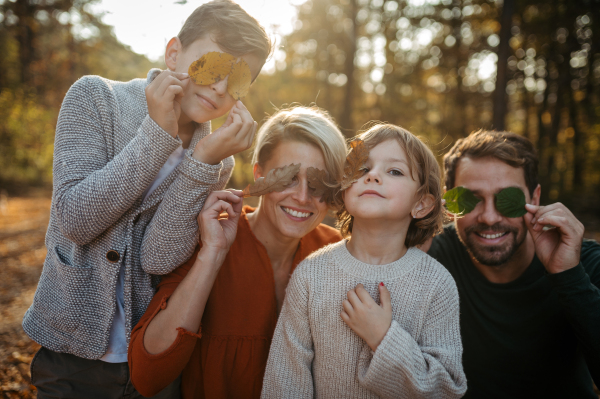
{"type": "Point", "coordinates": [590, 257]}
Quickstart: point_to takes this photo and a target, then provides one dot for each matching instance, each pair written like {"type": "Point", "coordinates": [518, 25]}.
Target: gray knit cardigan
{"type": "Point", "coordinates": [107, 151]}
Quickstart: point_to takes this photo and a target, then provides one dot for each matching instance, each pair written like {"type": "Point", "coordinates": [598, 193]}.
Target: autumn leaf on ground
{"type": "Point", "coordinates": [277, 179]}
{"type": "Point", "coordinates": [318, 181]}
{"type": "Point", "coordinates": [359, 154]}
{"type": "Point", "coordinates": [239, 80]}
{"type": "Point", "coordinates": [460, 200]}
{"type": "Point", "coordinates": [510, 202]}
{"type": "Point", "coordinates": [211, 67]}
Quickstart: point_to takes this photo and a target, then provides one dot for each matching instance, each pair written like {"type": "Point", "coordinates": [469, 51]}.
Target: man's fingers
{"type": "Point", "coordinates": [385, 297]}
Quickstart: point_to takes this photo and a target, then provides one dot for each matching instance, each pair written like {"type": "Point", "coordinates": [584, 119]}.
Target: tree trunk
{"type": "Point", "coordinates": [346, 118]}
{"type": "Point", "coordinates": [508, 10]}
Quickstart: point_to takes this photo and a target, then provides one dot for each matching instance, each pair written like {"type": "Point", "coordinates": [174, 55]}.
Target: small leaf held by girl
{"type": "Point", "coordinates": [374, 316]}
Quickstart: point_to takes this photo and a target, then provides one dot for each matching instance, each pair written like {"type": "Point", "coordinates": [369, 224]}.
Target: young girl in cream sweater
{"type": "Point", "coordinates": [373, 316]}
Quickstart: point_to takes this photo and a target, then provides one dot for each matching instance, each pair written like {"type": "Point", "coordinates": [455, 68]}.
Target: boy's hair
{"type": "Point", "coordinates": [510, 148]}
{"type": "Point", "coordinates": [310, 125]}
{"type": "Point", "coordinates": [421, 164]}
{"type": "Point", "coordinates": [234, 31]}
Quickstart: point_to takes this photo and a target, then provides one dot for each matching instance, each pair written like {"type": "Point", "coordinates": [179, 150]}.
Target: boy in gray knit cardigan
{"type": "Point", "coordinates": [133, 164]}
{"type": "Point", "coordinates": [333, 339]}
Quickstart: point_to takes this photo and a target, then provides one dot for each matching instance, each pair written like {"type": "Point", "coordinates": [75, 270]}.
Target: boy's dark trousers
{"type": "Point", "coordinates": [62, 375]}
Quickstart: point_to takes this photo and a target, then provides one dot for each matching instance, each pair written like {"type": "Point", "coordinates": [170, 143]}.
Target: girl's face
{"type": "Point", "coordinates": [387, 192]}
{"type": "Point", "coordinates": [293, 212]}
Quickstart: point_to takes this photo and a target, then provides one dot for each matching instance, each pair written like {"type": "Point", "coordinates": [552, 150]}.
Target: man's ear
{"type": "Point", "coordinates": [537, 193]}
{"type": "Point", "coordinates": [172, 53]}
{"type": "Point", "coordinates": [423, 206]}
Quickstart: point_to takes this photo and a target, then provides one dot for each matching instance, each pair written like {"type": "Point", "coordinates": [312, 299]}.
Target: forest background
{"type": "Point", "coordinates": [440, 68]}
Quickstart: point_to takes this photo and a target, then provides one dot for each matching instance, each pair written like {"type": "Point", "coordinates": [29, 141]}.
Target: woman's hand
{"type": "Point", "coordinates": [366, 318]}
{"type": "Point", "coordinates": [218, 232]}
{"type": "Point", "coordinates": [235, 135]}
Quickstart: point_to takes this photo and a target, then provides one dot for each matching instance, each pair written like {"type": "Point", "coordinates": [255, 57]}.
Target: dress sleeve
{"type": "Point", "coordinates": [174, 225]}
{"type": "Point", "coordinates": [92, 191]}
{"type": "Point", "coordinates": [578, 291]}
{"type": "Point", "coordinates": [151, 373]}
{"type": "Point", "coordinates": [431, 365]}
{"type": "Point", "coordinates": [288, 373]}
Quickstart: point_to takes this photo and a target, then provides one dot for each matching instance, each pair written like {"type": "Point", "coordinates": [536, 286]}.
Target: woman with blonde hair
{"type": "Point", "coordinates": [212, 319]}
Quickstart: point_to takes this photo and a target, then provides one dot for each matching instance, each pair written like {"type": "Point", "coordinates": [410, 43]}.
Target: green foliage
{"type": "Point", "coordinates": [510, 202]}
{"type": "Point", "coordinates": [42, 53]}
{"type": "Point", "coordinates": [460, 200]}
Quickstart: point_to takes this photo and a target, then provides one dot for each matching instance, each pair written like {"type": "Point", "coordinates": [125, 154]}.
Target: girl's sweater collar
{"type": "Point", "coordinates": [344, 259]}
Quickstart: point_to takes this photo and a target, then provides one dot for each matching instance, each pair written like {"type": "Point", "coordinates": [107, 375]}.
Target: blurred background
{"type": "Point", "coordinates": [440, 68]}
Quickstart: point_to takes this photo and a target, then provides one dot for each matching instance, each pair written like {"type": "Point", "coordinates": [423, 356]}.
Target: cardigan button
{"type": "Point", "coordinates": [113, 256]}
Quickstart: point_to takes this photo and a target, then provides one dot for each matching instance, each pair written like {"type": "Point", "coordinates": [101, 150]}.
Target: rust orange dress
{"type": "Point", "coordinates": [228, 358]}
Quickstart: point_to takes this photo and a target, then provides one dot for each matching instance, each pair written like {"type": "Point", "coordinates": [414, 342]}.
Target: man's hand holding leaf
{"type": "Point", "coordinates": [557, 235]}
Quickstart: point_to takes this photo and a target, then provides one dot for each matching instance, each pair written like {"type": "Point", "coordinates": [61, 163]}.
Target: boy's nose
{"type": "Point", "coordinates": [220, 87]}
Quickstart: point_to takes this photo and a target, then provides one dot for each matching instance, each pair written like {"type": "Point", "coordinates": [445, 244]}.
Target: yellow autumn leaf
{"type": "Point", "coordinates": [211, 67]}
{"type": "Point", "coordinates": [239, 80]}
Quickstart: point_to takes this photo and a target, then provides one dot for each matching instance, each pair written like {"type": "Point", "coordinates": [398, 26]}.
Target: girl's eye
{"type": "Point", "coordinates": [364, 170]}
{"type": "Point", "coordinates": [396, 172]}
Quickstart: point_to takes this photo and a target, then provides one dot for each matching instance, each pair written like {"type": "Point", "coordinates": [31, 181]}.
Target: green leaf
{"type": "Point", "coordinates": [460, 200]}
{"type": "Point", "coordinates": [510, 202]}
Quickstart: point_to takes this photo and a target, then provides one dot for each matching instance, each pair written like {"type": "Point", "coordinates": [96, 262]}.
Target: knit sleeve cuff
{"type": "Point", "coordinates": [157, 139]}
{"type": "Point", "coordinates": [569, 278]}
{"type": "Point", "coordinates": [200, 172]}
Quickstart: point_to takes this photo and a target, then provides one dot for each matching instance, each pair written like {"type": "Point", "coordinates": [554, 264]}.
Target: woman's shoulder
{"type": "Point", "coordinates": [320, 236]}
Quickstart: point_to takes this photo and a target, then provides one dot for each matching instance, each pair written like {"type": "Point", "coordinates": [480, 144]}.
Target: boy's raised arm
{"type": "Point", "coordinates": [172, 234]}
{"type": "Point", "coordinates": [92, 191]}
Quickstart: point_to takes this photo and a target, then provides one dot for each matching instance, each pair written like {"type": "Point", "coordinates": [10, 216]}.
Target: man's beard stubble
{"type": "Point", "coordinates": [498, 254]}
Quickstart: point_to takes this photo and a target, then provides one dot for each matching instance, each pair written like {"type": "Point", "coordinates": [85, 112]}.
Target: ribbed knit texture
{"type": "Point", "coordinates": [315, 354]}
{"type": "Point", "coordinates": [107, 151]}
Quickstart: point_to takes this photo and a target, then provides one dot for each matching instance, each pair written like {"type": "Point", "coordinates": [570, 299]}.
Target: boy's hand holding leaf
{"type": "Point", "coordinates": [365, 317]}
{"type": "Point", "coordinates": [235, 135]}
{"type": "Point", "coordinates": [162, 96]}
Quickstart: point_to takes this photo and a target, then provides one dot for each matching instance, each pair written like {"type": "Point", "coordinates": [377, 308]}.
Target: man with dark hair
{"type": "Point", "coordinates": [528, 286]}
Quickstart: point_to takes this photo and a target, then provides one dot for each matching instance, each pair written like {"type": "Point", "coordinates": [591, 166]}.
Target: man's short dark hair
{"type": "Point", "coordinates": [517, 151]}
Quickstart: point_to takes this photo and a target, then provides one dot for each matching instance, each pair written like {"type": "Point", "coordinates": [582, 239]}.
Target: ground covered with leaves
{"type": "Point", "coordinates": [23, 223]}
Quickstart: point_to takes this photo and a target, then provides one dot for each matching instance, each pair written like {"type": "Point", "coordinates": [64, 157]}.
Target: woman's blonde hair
{"type": "Point", "coordinates": [311, 125]}
{"type": "Point", "coordinates": [421, 164]}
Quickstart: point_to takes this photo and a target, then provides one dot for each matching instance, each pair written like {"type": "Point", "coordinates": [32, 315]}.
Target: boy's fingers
{"type": "Point", "coordinates": [385, 297]}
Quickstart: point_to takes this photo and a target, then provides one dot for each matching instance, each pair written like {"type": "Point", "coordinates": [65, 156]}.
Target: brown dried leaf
{"type": "Point", "coordinates": [239, 80]}
{"type": "Point", "coordinates": [211, 67]}
{"type": "Point", "coordinates": [318, 181]}
{"type": "Point", "coordinates": [359, 154]}
{"type": "Point", "coordinates": [277, 179]}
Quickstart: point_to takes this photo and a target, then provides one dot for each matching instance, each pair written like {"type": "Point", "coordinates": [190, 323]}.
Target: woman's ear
{"type": "Point", "coordinates": [257, 171]}
{"type": "Point", "coordinates": [423, 206]}
{"type": "Point", "coordinates": [172, 53]}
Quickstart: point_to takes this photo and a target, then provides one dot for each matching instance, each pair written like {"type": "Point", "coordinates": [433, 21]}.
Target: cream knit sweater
{"type": "Point", "coordinates": [315, 354]}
